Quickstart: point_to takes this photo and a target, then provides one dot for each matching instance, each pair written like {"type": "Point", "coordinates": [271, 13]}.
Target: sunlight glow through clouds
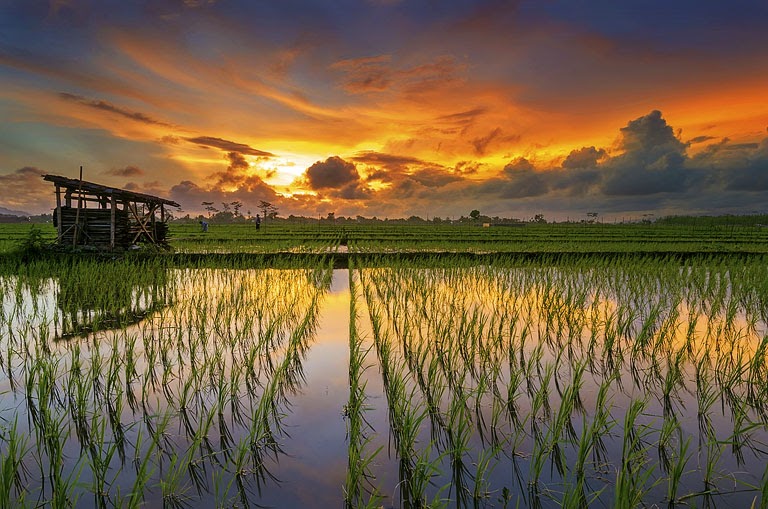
{"type": "Point", "coordinates": [435, 108]}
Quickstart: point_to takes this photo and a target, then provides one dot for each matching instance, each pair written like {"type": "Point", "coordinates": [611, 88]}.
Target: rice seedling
{"type": "Point", "coordinates": [359, 475]}
{"type": "Point", "coordinates": [12, 473]}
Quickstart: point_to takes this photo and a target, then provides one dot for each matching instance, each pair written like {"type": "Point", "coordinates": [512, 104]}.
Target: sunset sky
{"type": "Point", "coordinates": [391, 108]}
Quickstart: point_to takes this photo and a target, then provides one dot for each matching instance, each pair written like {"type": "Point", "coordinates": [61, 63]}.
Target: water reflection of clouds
{"type": "Point", "coordinates": [221, 338]}
{"type": "Point", "coordinates": [219, 324]}
{"type": "Point", "coordinates": [644, 331]}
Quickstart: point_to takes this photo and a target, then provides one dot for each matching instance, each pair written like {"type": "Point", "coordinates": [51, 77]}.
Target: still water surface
{"type": "Point", "coordinates": [231, 387]}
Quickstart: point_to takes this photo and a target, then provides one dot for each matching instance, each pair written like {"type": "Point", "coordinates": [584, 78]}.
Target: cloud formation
{"type": "Point", "coordinates": [651, 162]}
{"type": "Point", "coordinates": [25, 189]}
{"type": "Point", "coordinates": [378, 74]}
{"type": "Point", "coordinates": [127, 171]}
{"type": "Point", "coordinates": [397, 170]}
{"type": "Point", "coordinates": [585, 157]}
{"type": "Point", "coordinates": [228, 146]}
{"type": "Point", "coordinates": [111, 108]}
{"type": "Point", "coordinates": [333, 173]}
{"type": "Point", "coordinates": [434, 110]}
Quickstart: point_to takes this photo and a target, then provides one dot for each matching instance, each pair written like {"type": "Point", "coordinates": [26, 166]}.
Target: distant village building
{"type": "Point", "coordinates": [89, 214]}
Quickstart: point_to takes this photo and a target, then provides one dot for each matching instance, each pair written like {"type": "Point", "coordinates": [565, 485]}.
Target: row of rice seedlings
{"type": "Point", "coordinates": [359, 489]}
{"type": "Point", "coordinates": [417, 465]}
{"type": "Point", "coordinates": [155, 409]}
{"type": "Point", "coordinates": [628, 320]}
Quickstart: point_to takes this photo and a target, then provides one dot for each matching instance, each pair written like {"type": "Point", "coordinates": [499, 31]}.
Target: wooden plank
{"type": "Point", "coordinates": [59, 227]}
{"type": "Point", "coordinates": [79, 205]}
{"type": "Point", "coordinates": [141, 223]}
{"type": "Point", "coordinates": [112, 226]}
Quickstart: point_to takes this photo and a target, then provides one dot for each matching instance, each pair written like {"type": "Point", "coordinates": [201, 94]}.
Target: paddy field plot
{"type": "Point", "coordinates": [569, 381]}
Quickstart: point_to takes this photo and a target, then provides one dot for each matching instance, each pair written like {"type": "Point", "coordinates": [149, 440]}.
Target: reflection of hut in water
{"type": "Point", "coordinates": [115, 299]}
{"type": "Point", "coordinates": [107, 217]}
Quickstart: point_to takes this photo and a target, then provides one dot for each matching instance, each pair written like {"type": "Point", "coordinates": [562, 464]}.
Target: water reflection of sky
{"type": "Point", "coordinates": [314, 466]}
{"type": "Point", "coordinates": [228, 312]}
{"type": "Point", "coordinates": [560, 313]}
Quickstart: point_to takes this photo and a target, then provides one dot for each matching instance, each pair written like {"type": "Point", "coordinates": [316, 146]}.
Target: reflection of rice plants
{"type": "Point", "coordinates": [567, 381]}
{"type": "Point", "coordinates": [359, 481]}
{"type": "Point", "coordinates": [590, 381]}
{"type": "Point", "coordinates": [184, 404]}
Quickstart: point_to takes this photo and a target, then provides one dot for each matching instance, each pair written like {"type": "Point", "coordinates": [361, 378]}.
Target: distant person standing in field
{"type": "Point", "coordinates": [204, 225]}
{"type": "Point", "coordinates": [257, 221]}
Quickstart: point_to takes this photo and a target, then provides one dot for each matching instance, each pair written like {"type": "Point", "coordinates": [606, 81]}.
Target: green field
{"type": "Point", "coordinates": [702, 236]}
{"type": "Point", "coordinates": [536, 366]}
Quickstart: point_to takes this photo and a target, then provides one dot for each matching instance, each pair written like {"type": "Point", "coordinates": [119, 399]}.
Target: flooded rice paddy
{"type": "Point", "coordinates": [576, 383]}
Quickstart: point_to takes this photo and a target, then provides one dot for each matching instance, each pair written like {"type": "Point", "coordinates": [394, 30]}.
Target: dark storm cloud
{"type": "Point", "coordinates": [234, 175]}
{"type": "Point", "coordinates": [585, 157]}
{"type": "Point", "coordinates": [333, 173]}
{"type": "Point", "coordinates": [352, 191]}
{"type": "Point", "coordinates": [649, 138]}
{"type": "Point", "coordinates": [733, 166]}
{"type": "Point", "coordinates": [652, 171]}
{"type": "Point", "coordinates": [651, 162]}
{"type": "Point", "coordinates": [517, 166]}
{"type": "Point", "coordinates": [228, 146]}
{"type": "Point", "coordinates": [518, 179]}
{"type": "Point", "coordinates": [336, 178]}
{"type": "Point", "coordinates": [128, 171]}
{"type": "Point", "coordinates": [111, 108]}
{"type": "Point", "coordinates": [237, 161]}
{"type": "Point", "coordinates": [521, 180]}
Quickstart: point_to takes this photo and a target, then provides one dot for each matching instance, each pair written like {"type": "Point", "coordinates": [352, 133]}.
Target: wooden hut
{"type": "Point", "coordinates": [89, 214]}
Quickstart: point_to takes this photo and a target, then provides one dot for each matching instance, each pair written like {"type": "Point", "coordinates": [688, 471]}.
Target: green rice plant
{"type": "Point", "coordinates": [144, 469]}
{"type": "Point", "coordinates": [175, 490]}
{"type": "Point", "coordinates": [100, 454]}
{"type": "Point", "coordinates": [707, 395]}
{"type": "Point", "coordinates": [764, 489]}
{"type": "Point", "coordinates": [425, 468]}
{"type": "Point", "coordinates": [12, 470]}
{"type": "Point", "coordinates": [742, 429]}
{"type": "Point", "coordinates": [676, 469]}
{"type": "Point", "coordinates": [633, 472]}
{"type": "Point", "coordinates": [358, 470]}
{"type": "Point", "coordinates": [487, 461]}
{"type": "Point", "coordinates": [459, 433]}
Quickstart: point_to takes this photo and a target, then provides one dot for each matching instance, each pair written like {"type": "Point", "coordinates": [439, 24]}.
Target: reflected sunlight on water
{"type": "Point", "coordinates": [535, 384]}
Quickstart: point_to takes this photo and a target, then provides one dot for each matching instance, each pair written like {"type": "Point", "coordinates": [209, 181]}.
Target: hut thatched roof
{"type": "Point", "coordinates": [102, 190]}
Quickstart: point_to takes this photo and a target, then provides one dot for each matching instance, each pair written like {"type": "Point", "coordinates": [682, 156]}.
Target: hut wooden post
{"type": "Point", "coordinates": [154, 226]}
{"type": "Point", "coordinates": [79, 204]}
{"type": "Point", "coordinates": [59, 228]}
{"type": "Point", "coordinates": [112, 226]}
